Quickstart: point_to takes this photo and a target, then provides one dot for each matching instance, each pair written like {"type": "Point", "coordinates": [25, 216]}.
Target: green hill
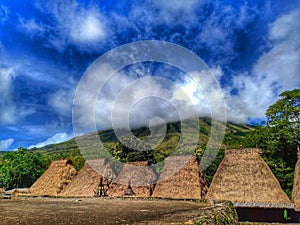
{"type": "Point", "coordinates": [234, 136]}
{"type": "Point", "coordinates": [89, 143]}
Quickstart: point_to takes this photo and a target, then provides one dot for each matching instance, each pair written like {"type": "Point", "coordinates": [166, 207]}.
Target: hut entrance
{"type": "Point", "coordinates": [129, 191]}
{"type": "Point", "coordinates": [101, 191]}
{"type": "Point", "coordinates": [268, 215]}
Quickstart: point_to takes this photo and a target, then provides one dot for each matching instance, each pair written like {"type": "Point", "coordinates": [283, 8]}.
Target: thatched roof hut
{"type": "Point", "coordinates": [296, 187]}
{"type": "Point", "coordinates": [181, 178]}
{"type": "Point", "coordinates": [244, 178]}
{"type": "Point", "coordinates": [86, 182]}
{"type": "Point", "coordinates": [55, 179]}
{"type": "Point", "coordinates": [136, 178]}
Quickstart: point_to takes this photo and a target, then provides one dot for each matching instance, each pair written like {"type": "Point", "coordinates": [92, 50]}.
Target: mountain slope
{"type": "Point", "coordinates": [234, 136]}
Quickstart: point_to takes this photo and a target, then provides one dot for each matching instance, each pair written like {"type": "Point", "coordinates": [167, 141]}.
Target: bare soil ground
{"type": "Point", "coordinates": [94, 211]}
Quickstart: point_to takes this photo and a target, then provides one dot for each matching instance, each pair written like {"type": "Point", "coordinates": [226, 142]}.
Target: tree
{"type": "Point", "coordinates": [21, 168]}
{"type": "Point", "coordinates": [130, 150]}
{"type": "Point", "coordinates": [284, 116]}
{"type": "Point", "coordinates": [279, 137]}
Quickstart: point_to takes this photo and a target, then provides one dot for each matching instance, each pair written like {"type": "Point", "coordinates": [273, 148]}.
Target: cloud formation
{"type": "Point", "coordinates": [32, 27]}
{"type": "Point", "coordinates": [276, 70]}
{"type": "Point", "coordinates": [61, 101]}
{"type": "Point", "coordinates": [5, 144]}
{"type": "Point", "coordinates": [4, 14]}
{"type": "Point", "coordinates": [252, 47]}
{"type": "Point", "coordinates": [57, 138]}
{"type": "Point", "coordinates": [128, 99]}
{"type": "Point", "coordinates": [7, 109]}
{"type": "Point", "coordinates": [10, 111]}
{"type": "Point", "coordinates": [74, 24]}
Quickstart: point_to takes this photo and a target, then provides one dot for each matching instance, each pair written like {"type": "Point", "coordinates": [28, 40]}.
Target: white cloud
{"type": "Point", "coordinates": [277, 70]}
{"type": "Point", "coordinates": [163, 12]}
{"type": "Point", "coordinates": [8, 108]}
{"type": "Point", "coordinates": [203, 93]}
{"type": "Point", "coordinates": [34, 67]}
{"type": "Point", "coordinates": [282, 61]}
{"type": "Point", "coordinates": [10, 112]}
{"type": "Point", "coordinates": [83, 27]}
{"type": "Point", "coordinates": [88, 28]}
{"type": "Point", "coordinates": [32, 28]}
{"type": "Point", "coordinates": [61, 101]}
{"type": "Point", "coordinates": [125, 99]}
{"type": "Point", "coordinates": [176, 5]}
{"type": "Point", "coordinates": [4, 13]}
{"type": "Point", "coordinates": [5, 144]}
{"type": "Point", "coordinates": [57, 138]}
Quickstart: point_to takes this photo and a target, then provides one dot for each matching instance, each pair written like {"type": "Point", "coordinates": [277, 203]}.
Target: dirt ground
{"type": "Point", "coordinates": [58, 211]}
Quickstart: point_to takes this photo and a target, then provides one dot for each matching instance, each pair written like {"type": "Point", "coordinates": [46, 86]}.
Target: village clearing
{"type": "Point", "coordinates": [18, 211]}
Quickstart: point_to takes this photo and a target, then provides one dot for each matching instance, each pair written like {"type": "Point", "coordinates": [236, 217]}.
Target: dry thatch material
{"type": "Point", "coordinates": [86, 182]}
{"type": "Point", "coordinates": [244, 177]}
{"type": "Point", "coordinates": [2, 191]}
{"type": "Point", "coordinates": [55, 179]}
{"type": "Point", "coordinates": [19, 192]}
{"type": "Point", "coordinates": [138, 175]}
{"type": "Point", "coordinates": [181, 178]}
{"type": "Point", "coordinates": [296, 187]}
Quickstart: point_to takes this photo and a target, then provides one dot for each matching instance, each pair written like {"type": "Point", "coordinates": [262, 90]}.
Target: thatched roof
{"type": "Point", "coordinates": [55, 179]}
{"type": "Point", "coordinates": [296, 187]}
{"type": "Point", "coordinates": [87, 180]}
{"type": "Point", "coordinates": [244, 177]}
{"type": "Point", "coordinates": [181, 178]}
{"type": "Point", "coordinates": [139, 175]}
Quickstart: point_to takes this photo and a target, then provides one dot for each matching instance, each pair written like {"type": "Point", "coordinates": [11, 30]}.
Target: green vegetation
{"type": "Point", "coordinates": [136, 151]}
{"type": "Point", "coordinates": [279, 137]}
{"type": "Point", "coordinates": [21, 168]}
{"type": "Point", "coordinates": [221, 214]}
{"type": "Point", "coordinates": [286, 215]}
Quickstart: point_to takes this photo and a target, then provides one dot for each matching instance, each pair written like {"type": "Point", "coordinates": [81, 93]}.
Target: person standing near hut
{"type": "Point", "coordinates": [100, 192]}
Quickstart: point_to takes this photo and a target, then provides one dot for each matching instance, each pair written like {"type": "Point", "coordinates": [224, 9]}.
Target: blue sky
{"type": "Point", "coordinates": [252, 47]}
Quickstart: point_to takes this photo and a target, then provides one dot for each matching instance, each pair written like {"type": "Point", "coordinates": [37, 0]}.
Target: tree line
{"type": "Point", "coordinates": [21, 168]}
